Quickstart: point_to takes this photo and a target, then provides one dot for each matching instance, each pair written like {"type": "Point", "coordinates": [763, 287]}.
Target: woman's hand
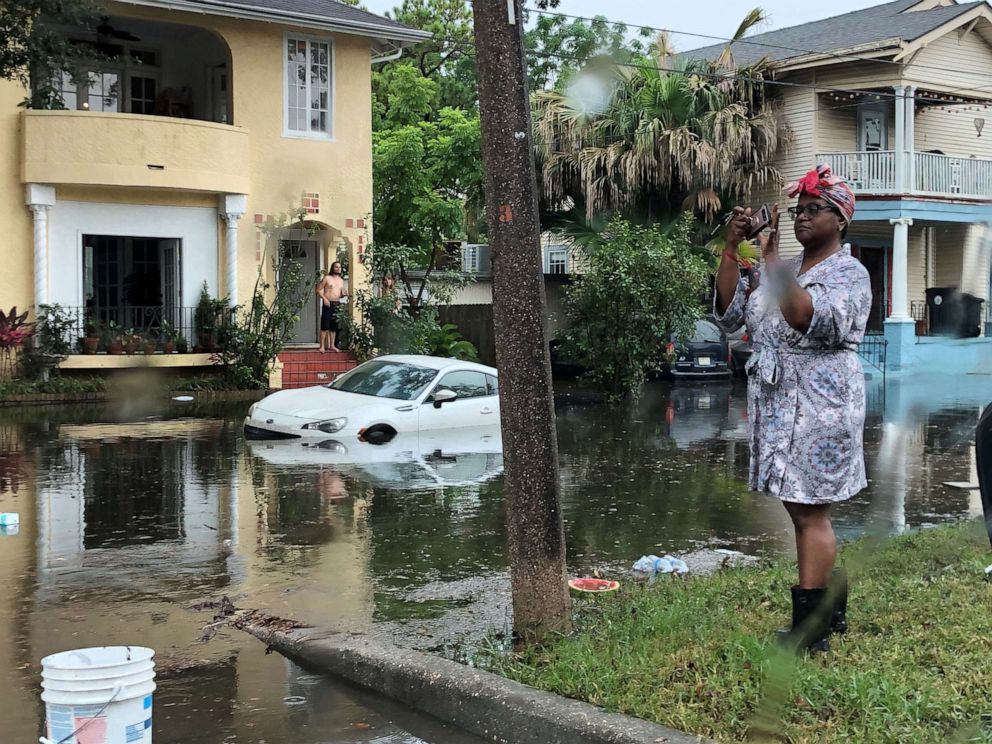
{"type": "Point", "coordinates": [740, 224]}
{"type": "Point", "coordinates": [768, 240]}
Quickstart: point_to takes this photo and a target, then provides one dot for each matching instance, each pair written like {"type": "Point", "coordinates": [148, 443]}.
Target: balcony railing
{"type": "Point", "coordinates": [935, 174]}
{"type": "Point", "coordinates": [189, 328]}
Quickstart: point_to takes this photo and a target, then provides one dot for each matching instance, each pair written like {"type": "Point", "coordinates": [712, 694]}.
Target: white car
{"type": "Point", "coordinates": [381, 398]}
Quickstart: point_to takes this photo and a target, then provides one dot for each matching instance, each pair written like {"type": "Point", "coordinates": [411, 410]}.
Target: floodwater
{"type": "Point", "coordinates": [130, 517]}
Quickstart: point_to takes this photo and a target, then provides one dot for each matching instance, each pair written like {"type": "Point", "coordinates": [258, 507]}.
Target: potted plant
{"type": "Point", "coordinates": [168, 334]}
{"type": "Point", "coordinates": [131, 341]}
{"type": "Point", "coordinates": [205, 322]}
{"type": "Point", "coordinates": [91, 341]}
{"type": "Point", "coordinates": [148, 343]}
{"type": "Point", "coordinates": [113, 338]}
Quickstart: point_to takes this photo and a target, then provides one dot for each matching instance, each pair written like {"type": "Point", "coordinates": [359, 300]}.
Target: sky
{"type": "Point", "coordinates": [711, 17]}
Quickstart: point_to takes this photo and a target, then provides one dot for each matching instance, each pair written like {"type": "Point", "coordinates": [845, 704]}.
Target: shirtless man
{"type": "Point", "coordinates": [330, 290]}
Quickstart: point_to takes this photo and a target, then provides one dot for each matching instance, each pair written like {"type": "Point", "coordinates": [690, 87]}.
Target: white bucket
{"type": "Point", "coordinates": [99, 695]}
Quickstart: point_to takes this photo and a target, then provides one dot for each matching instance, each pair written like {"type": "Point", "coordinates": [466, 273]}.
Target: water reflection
{"type": "Point", "coordinates": [411, 461]}
{"type": "Point", "coordinates": [125, 523]}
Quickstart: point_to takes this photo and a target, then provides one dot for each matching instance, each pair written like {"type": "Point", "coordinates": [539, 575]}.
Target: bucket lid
{"type": "Point", "coordinates": [97, 657]}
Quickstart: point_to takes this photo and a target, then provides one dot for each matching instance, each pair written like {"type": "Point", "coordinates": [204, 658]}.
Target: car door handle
{"type": "Point", "coordinates": [487, 409]}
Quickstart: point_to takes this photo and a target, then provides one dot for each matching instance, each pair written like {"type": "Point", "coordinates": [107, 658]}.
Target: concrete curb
{"type": "Point", "coordinates": [485, 704]}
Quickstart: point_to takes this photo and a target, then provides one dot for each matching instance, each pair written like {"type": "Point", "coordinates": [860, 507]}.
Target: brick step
{"type": "Point", "coordinates": [317, 367]}
{"type": "Point", "coordinates": [316, 356]}
{"type": "Point", "coordinates": [290, 384]}
{"type": "Point", "coordinates": [308, 375]}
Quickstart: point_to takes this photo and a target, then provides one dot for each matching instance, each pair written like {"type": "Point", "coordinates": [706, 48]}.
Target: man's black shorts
{"type": "Point", "coordinates": [329, 317]}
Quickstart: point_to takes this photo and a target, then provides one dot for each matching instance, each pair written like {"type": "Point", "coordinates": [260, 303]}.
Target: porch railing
{"type": "Point", "coordinates": [874, 350]}
{"type": "Point", "coordinates": [867, 172]}
{"type": "Point", "coordinates": [936, 174]}
{"type": "Point", "coordinates": [191, 328]}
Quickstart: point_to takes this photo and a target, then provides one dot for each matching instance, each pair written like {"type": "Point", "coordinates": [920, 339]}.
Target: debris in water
{"type": "Point", "coordinates": [295, 700]}
{"type": "Point", "coordinates": [183, 398]}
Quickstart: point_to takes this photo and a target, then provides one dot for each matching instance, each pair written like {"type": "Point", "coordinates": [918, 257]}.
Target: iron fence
{"type": "Point", "coordinates": [188, 328]}
{"type": "Point", "coordinates": [874, 350]}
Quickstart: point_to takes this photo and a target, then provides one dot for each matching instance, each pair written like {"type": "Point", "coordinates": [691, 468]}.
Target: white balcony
{"type": "Point", "coordinates": [931, 175]}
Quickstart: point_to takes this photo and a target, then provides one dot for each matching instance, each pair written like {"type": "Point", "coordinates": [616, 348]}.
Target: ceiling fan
{"type": "Point", "coordinates": [107, 30]}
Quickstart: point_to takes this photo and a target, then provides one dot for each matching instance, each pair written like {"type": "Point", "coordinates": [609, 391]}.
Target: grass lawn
{"type": "Point", "coordinates": [697, 654]}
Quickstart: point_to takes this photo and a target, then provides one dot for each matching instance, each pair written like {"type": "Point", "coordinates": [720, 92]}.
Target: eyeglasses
{"type": "Point", "coordinates": [811, 210]}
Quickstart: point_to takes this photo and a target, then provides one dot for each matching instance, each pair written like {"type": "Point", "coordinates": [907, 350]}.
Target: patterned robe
{"type": "Point", "coordinates": [806, 392]}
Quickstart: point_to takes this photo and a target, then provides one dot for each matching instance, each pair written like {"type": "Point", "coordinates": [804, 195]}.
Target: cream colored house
{"type": "Point", "coordinates": [896, 98]}
{"type": "Point", "coordinates": [212, 117]}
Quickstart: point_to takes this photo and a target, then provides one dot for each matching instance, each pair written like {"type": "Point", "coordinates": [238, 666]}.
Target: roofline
{"type": "Point", "coordinates": [873, 49]}
{"type": "Point", "coordinates": [969, 16]}
{"type": "Point", "coordinates": [897, 46]}
{"type": "Point", "coordinates": [247, 12]}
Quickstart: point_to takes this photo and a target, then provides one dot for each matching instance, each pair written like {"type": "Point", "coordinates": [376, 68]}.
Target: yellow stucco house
{"type": "Point", "coordinates": [212, 117]}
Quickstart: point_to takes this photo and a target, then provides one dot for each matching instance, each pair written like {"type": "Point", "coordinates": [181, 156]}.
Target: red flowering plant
{"type": "Point", "coordinates": [14, 333]}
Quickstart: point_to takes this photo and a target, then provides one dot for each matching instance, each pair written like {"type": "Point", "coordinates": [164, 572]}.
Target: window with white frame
{"type": "Point", "coordinates": [557, 259]}
{"type": "Point", "coordinates": [128, 82]}
{"type": "Point", "coordinates": [470, 259]}
{"type": "Point", "coordinates": [308, 87]}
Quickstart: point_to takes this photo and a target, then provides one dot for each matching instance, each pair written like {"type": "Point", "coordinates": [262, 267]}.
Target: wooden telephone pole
{"type": "Point", "coordinates": [530, 444]}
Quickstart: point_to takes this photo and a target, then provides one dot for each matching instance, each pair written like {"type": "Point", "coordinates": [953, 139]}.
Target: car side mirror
{"type": "Point", "coordinates": [444, 396]}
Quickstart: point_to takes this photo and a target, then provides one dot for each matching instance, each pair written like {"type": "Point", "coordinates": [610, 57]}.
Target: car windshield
{"type": "Point", "coordinates": [706, 332]}
{"type": "Point", "coordinates": [386, 380]}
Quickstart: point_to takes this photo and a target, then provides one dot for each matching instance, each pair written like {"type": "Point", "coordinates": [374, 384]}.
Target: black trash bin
{"type": "Point", "coordinates": [942, 309]}
{"type": "Point", "coordinates": [971, 316]}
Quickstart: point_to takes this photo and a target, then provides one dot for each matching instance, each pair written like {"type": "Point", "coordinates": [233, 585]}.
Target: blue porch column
{"type": "Point", "coordinates": [900, 330]}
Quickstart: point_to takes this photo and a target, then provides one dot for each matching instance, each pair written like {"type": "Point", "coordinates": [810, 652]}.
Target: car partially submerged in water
{"type": "Point", "coordinates": [381, 398]}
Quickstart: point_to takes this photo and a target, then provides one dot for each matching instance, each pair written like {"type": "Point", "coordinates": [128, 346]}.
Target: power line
{"type": "Point", "coordinates": [941, 99]}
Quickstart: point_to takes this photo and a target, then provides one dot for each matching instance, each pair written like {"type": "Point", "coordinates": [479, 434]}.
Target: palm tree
{"type": "Point", "coordinates": [668, 135]}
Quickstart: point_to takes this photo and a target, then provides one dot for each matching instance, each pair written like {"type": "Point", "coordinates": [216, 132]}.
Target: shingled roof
{"type": "Point", "coordinates": [882, 25]}
{"type": "Point", "coordinates": [330, 14]}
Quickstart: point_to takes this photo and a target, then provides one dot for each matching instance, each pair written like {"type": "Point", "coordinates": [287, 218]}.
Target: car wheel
{"type": "Point", "coordinates": [377, 434]}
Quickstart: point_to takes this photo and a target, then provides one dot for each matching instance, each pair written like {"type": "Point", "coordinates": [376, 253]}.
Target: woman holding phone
{"type": "Point", "coordinates": [806, 398]}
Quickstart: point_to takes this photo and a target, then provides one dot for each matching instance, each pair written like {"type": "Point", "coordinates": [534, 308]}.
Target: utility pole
{"type": "Point", "coordinates": [530, 443]}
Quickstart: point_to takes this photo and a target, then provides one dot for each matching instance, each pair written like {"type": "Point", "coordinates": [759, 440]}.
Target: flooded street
{"type": "Point", "coordinates": [128, 518]}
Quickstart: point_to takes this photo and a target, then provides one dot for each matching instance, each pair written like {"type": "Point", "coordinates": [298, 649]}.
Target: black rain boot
{"type": "Point", "coordinates": [838, 618]}
{"type": "Point", "coordinates": [810, 621]}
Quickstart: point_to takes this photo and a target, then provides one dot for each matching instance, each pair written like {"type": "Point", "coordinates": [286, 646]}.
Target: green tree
{"type": "Point", "coordinates": [649, 140]}
{"type": "Point", "coordinates": [426, 176]}
{"type": "Point", "coordinates": [34, 49]}
{"type": "Point", "coordinates": [558, 47]}
{"type": "Point", "coordinates": [642, 287]}
{"type": "Point", "coordinates": [448, 58]}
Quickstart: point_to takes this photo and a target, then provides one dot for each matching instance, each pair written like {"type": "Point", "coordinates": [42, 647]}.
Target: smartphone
{"type": "Point", "coordinates": [760, 219]}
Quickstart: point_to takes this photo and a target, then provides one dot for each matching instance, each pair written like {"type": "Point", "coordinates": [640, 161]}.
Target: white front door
{"type": "Point", "coordinates": [476, 404]}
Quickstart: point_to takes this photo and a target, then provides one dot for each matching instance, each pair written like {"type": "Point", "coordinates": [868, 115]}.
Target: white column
{"type": "Point", "coordinates": [40, 199]}
{"type": "Point", "coordinates": [900, 145]}
{"type": "Point", "coordinates": [232, 208]}
{"type": "Point", "coordinates": [900, 269]}
{"type": "Point", "coordinates": [910, 114]}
